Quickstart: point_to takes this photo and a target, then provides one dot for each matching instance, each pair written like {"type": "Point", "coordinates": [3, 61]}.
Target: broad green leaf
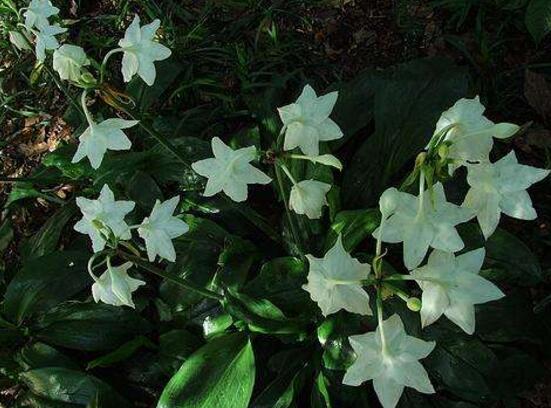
{"type": "Point", "coordinates": [122, 353]}
{"type": "Point", "coordinates": [89, 326]}
{"type": "Point", "coordinates": [460, 363]}
{"type": "Point", "coordinates": [39, 355]}
{"type": "Point", "coordinates": [46, 239]}
{"type": "Point", "coordinates": [235, 261]}
{"type": "Point", "coordinates": [280, 281]}
{"type": "Point", "coordinates": [519, 325]}
{"type": "Point", "coordinates": [261, 315]}
{"type": "Point", "coordinates": [320, 397]}
{"type": "Point", "coordinates": [220, 374]}
{"type": "Point", "coordinates": [30, 400]}
{"type": "Point", "coordinates": [144, 96]}
{"type": "Point", "coordinates": [281, 392]}
{"type": "Point", "coordinates": [408, 101]}
{"type": "Point", "coordinates": [143, 189]}
{"type": "Point", "coordinates": [66, 385]}
{"type": "Point", "coordinates": [197, 253]}
{"type": "Point", "coordinates": [507, 259]}
{"type": "Point", "coordinates": [6, 235]}
{"type": "Point", "coordinates": [44, 282]}
{"type": "Point", "coordinates": [175, 347]}
{"type": "Point", "coordinates": [538, 19]}
{"type": "Point", "coordinates": [354, 226]}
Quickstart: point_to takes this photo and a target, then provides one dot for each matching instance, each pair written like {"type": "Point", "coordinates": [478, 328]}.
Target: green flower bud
{"type": "Point", "coordinates": [414, 304]}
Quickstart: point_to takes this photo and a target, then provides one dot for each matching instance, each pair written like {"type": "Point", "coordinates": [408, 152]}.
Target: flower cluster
{"type": "Point", "coordinates": [103, 220]}
{"type": "Point", "coordinates": [450, 283]}
{"type": "Point", "coordinates": [140, 51]}
{"type": "Point", "coordinates": [425, 223]}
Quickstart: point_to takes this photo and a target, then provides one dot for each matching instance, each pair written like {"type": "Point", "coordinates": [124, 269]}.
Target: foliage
{"type": "Point", "coordinates": [226, 290]}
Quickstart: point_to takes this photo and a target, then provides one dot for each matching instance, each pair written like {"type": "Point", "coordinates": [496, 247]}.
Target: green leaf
{"type": "Point", "coordinates": [508, 259]}
{"type": "Point", "coordinates": [280, 281]}
{"type": "Point", "coordinates": [408, 101]}
{"type": "Point", "coordinates": [261, 315]}
{"type": "Point", "coordinates": [144, 95]}
{"type": "Point", "coordinates": [462, 364]}
{"type": "Point", "coordinates": [197, 254]}
{"type": "Point", "coordinates": [6, 235]}
{"type": "Point", "coordinates": [44, 282]}
{"type": "Point", "coordinates": [354, 226]}
{"type": "Point", "coordinates": [355, 104]}
{"type": "Point", "coordinates": [89, 326]}
{"type": "Point", "coordinates": [281, 392]}
{"type": "Point", "coordinates": [538, 19]}
{"type": "Point", "coordinates": [320, 397]}
{"type": "Point", "coordinates": [175, 347]}
{"type": "Point", "coordinates": [520, 324]}
{"type": "Point", "coordinates": [46, 239]}
{"type": "Point", "coordinates": [235, 262]}
{"type": "Point", "coordinates": [220, 374]}
{"type": "Point", "coordinates": [63, 384]}
{"type": "Point", "coordinates": [39, 355]}
{"type": "Point", "coordinates": [143, 189]}
{"type": "Point", "coordinates": [122, 353]}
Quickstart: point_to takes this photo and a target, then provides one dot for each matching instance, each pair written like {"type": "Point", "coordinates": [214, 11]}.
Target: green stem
{"type": "Point", "coordinates": [176, 279]}
{"type": "Point", "coordinates": [163, 141]}
{"type": "Point", "coordinates": [287, 173]}
{"type": "Point", "coordinates": [380, 320]}
{"type": "Point", "coordinates": [104, 62]}
{"type": "Point", "coordinates": [89, 117]}
{"type": "Point", "coordinates": [294, 232]}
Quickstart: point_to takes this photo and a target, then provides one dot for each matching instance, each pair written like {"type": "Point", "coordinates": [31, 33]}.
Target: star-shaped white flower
{"type": "Point", "coordinates": [45, 40]}
{"type": "Point", "coordinates": [141, 51]}
{"type": "Point", "coordinates": [307, 121]}
{"type": "Point", "coordinates": [38, 12]}
{"type": "Point", "coordinates": [421, 224]}
{"type": "Point", "coordinates": [68, 62]}
{"type": "Point", "coordinates": [391, 363]}
{"type": "Point", "coordinates": [230, 171]}
{"type": "Point", "coordinates": [500, 187]}
{"type": "Point", "coordinates": [115, 286]}
{"type": "Point", "coordinates": [451, 286]}
{"type": "Point", "coordinates": [308, 197]}
{"type": "Point", "coordinates": [100, 137]}
{"type": "Point", "coordinates": [335, 282]}
{"type": "Point", "coordinates": [101, 213]}
{"type": "Point", "coordinates": [160, 228]}
{"type": "Point", "coordinates": [471, 132]}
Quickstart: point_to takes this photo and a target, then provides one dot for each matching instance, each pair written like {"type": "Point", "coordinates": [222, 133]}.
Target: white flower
{"type": "Point", "coordinates": [140, 51]}
{"type": "Point", "coordinates": [115, 287]}
{"type": "Point", "coordinates": [100, 137]}
{"type": "Point", "coordinates": [229, 171]}
{"type": "Point", "coordinates": [101, 213]}
{"type": "Point", "coordinates": [391, 363]}
{"type": "Point", "coordinates": [160, 228]}
{"type": "Point", "coordinates": [335, 282]}
{"type": "Point", "coordinates": [451, 286]}
{"type": "Point", "coordinates": [501, 187]}
{"type": "Point", "coordinates": [68, 62]}
{"type": "Point", "coordinates": [308, 197]}
{"type": "Point", "coordinates": [45, 40]}
{"type": "Point", "coordinates": [471, 132]}
{"type": "Point", "coordinates": [38, 12]}
{"type": "Point", "coordinates": [307, 121]}
{"type": "Point", "coordinates": [422, 223]}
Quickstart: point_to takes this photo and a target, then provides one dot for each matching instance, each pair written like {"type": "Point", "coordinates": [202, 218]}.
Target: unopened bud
{"type": "Point", "coordinates": [443, 151]}
{"type": "Point", "coordinates": [420, 159]}
{"type": "Point", "coordinates": [414, 304]}
{"type": "Point", "coordinates": [87, 79]}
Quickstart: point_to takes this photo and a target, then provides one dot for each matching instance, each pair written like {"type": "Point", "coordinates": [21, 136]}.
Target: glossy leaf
{"type": "Point", "coordinates": [220, 374]}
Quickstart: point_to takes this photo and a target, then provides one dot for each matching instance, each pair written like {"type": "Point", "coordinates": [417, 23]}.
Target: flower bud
{"type": "Point", "coordinates": [414, 304]}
